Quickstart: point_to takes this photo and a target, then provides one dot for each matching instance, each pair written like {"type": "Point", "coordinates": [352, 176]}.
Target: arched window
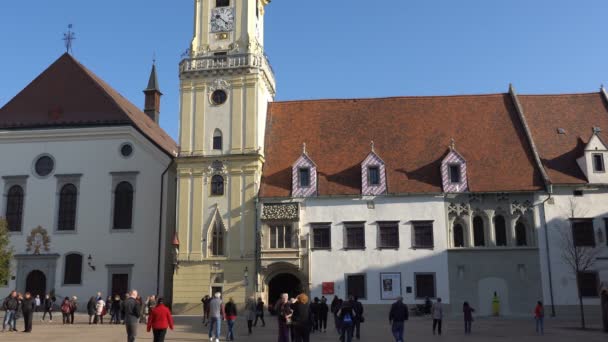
{"type": "Point", "coordinates": [217, 239]}
{"type": "Point", "coordinates": [478, 232]}
{"type": "Point", "coordinates": [217, 140]}
{"type": "Point", "coordinates": [520, 234]}
{"type": "Point", "coordinates": [500, 230]}
{"type": "Point", "coordinates": [123, 206]}
{"type": "Point", "coordinates": [72, 274]}
{"type": "Point", "coordinates": [67, 207]}
{"type": "Point", "coordinates": [458, 235]}
{"type": "Point", "coordinates": [14, 208]}
{"type": "Point", "coordinates": [217, 185]}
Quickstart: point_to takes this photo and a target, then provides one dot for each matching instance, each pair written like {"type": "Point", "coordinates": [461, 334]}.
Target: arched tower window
{"type": "Point", "coordinates": [458, 232]}
{"type": "Point", "coordinates": [500, 230]}
{"type": "Point", "coordinates": [217, 140]}
{"type": "Point", "coordinates": [123, 206]}
{"type": "Point", "coordinates": [68, 197]}
{"type": "Point", "coordinates": [478, 232]}
{"type": "Point", "coordinates": [217, 239]}
{"type": "Point", "coordinates": [14, 208]}
{"type": "Point", "coordinates": [217, 185]}
{"type": "Point", "coordinates": [520, 234]}
{"type": "Point", "coordinates": [72, 274]}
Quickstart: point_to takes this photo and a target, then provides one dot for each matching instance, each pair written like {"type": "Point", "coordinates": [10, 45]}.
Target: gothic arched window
{"type": "Point", "coordinates": [217, 239]}
{"type": "Point", "coordinates": [217, 185]}
{"type": "Point", "coordinates": [72, 274]}
{"type": "Point", "coordinates": [217, 140]}
{"type": "Point", "coordinates": [14, 208]}
{"type": "Point", "coordinates": [478, 232]}
{"type": "Point", "coordinates": [458, 235]}
{"type": "Point", "coordinates": [520, 234]}
{"type": "Point", "coordinates": [123, 206]}
{"type": "Point", "coordinates": [500, 230]}
{"type": "Point", "coordinates": [67, 207]}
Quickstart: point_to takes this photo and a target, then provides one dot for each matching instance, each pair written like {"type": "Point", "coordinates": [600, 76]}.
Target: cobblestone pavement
{"type": "Point", "coordinates": [373, 330]}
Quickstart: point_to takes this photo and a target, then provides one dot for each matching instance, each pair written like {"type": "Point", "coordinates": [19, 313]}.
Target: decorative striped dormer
{"type": "Point", "coordinates": [454, 171]}
{"type": "Point", "coordinates": [373, 175]}
{"type": "Point", "coordinates": [304, 176]}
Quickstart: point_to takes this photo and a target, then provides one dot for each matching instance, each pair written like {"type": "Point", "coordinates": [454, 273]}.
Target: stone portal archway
{"type": "Point", "coordinates": [283, 283]}
{"type": "Point", "coordinates": [35, 283]}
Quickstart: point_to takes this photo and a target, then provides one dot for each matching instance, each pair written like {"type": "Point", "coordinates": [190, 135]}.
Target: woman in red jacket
{"type": "Point", "coordinates": [159, 320]}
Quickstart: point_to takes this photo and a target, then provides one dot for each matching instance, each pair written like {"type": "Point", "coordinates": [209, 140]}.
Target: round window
{"type": "Point", "coordinates": [126, 150]}
{"type": "Point", "coordinates": [219, 97]}
{"type": "Point", "coordinates": [44, 166]}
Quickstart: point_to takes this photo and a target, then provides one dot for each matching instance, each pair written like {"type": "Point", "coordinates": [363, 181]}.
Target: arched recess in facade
{"type": "Point", "coordinates": [279, 269]}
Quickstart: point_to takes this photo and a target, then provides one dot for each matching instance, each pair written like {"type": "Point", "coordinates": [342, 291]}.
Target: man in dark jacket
{"type": "Point", "coordinates": [397, 317]}
{"type": "Point", "coordinates": [28, 307]}
{"type": "Point", "coordinates": [132, 312]}
{"type": "Point", "coordinates": [358, 307]}
{"type": "Point", "coordinates": [10, 306]}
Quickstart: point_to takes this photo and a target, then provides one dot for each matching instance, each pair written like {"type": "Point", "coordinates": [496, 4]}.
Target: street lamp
{"type": "Point", "coordinates": [90, 262]}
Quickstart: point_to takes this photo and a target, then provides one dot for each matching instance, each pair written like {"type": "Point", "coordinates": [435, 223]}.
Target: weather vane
{"type": "Point", "coordinates": [69, 38]}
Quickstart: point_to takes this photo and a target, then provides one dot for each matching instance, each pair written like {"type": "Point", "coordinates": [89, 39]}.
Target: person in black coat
{"type": "Point", "coordinates": [28, 306]}
{"type": "Point", "coordinates": [49, 302]}
{"type": "Point", "coordinates": [301, 319]}
{"type": "Point", "coordinates": [397, 317]}
{"type": "Point", "coordinates": [91, 309]}
{"type": "Point", "coordinates": [323, 313]}
{"type": "Point", "coordinates": [314, 311]}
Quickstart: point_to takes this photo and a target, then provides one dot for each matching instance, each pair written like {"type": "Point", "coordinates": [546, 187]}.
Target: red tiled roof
{"type": "Point", "coordinates": [577, 114]}
{"type": "Point", "coordinates": [411, 134]}
{"type": "Point", "coordinates": [68, 94]}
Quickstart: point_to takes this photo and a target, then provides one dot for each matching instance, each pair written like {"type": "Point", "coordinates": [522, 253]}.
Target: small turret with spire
{"type": "Point", "coordinates": [153, 94]}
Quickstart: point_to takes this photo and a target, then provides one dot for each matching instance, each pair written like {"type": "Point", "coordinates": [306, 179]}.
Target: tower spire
{"type": "Point", "coordinates": [153, 94]}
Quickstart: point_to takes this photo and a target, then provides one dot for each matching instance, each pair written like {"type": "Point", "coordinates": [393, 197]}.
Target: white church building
{"type": "Point", "coordinates": [89, 191]}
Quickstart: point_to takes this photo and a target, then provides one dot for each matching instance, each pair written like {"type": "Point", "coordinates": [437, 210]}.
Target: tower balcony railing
{"type": "Point", "coordinates": [224, 62]}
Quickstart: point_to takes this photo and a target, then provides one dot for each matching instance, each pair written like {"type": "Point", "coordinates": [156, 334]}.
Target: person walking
{"type": "Point", "coordinates": [323, 313]}
{"type": "Point", "coordinates": [397, 317]}
{"type": "Point", "coordinates": [346, 316]}
{"type": "Point", "coordinates": [437, 313]}
{"type": "Point", "coordinates": [314, 313]}
{"type": "Point", "coordinates": [259, 313]}
{"type": "Point", "coordinates": [49, 302]}
{"type": "Point", "coordinates": [230, 316]}
{"type": "Point", "coordinates": [91, 309]}
{"type": "Point", "coordinates": [336, 303]}
{"type": "Point", "coordinates": [132, 312]}
{"type": "Point", "coordinates": [150, 304]}
{"type": "Point", "coordinates": [539, 316]}
{"type": "Point", "coordinates": [358, 308]}
{"type": "Point", "coordinates": [66, 307]}
{"type": "Point", "coordinates": [216, 312]}
{"type": "Point", "coordinates": [38, 303]}
{"type": "Point", "coordinates": [19, 312]}
{"type": "Point", "coordinates": [250, 313]}
{"type": "Point", "coordinates": [73, 308]}
{"type": "Point", "coordinates": [301, 319]}
{"type": "Point", "coordinates": [10, 306]}
{"type": "Point", "coordinates": [284, 314]}
{"type": "Point", "coordinates": [205, 300]}
{"type": "Point", "coordinates": [28, 306]}
{"type": "Point", "coordinates": [100, 308]}
{"type": "Point", "coordinates": [468, 317]}
{"type": "Point", "coordinates": [115, 307]}
{"type": "Point", "coordinates": [159, 319]}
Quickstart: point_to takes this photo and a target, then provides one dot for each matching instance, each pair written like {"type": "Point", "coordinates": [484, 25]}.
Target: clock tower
{"type": "Point", "coordinates": [226, 85]}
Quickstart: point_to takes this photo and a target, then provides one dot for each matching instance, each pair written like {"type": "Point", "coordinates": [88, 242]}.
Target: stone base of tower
{"type": "Point", "coordinates": [194, 280]}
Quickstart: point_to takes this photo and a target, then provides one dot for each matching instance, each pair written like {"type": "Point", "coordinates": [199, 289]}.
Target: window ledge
{"type": "Point", "coordinates": [423, 247]}
{"type": "Point", "coordinates": [16, 233]}
{"type": "Point", "coordinates": [354, 248]}
{"type": "Point", "coordinates": [71, 285]}
{"type": "Point", "coordinates": [394, 248]}
{"type": "Point", "coordinates": [67, 232]}
{"type": "Point", "coordinates": [122, 230]}
{"type": "Point", "coordinates": [320, 248]}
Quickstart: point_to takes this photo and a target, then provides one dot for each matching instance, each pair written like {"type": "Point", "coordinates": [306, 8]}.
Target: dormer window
{"type": "Point", "coordinates": [454, 171]}
{"type": "Point", "coordinates": [373, 175]}
{"type": "Point", "coordinates": [304, 177]}
{"type": "Point", "coordinates": [222, 3]}
{"type": "Point", "coordinates": [598, 162]}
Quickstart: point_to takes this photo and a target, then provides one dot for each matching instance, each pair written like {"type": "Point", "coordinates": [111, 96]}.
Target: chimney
{"type": "Point", "coordinates": [153, 94]}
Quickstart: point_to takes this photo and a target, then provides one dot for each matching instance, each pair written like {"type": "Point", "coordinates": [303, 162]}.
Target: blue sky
{"type": "Point", "coordinates": [326, 49]}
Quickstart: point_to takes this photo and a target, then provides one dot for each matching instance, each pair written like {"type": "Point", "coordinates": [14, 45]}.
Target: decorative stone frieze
{"type": "Point", "coordinates": [280, 211]}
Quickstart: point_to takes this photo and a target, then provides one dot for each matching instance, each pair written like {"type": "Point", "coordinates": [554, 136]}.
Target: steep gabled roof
{"type": "Point", "coordinates": [67, 94]}
{"type": "Point", "coordinates": [576, 115]}
{"type": "Point", "coordinates": [412, 133]}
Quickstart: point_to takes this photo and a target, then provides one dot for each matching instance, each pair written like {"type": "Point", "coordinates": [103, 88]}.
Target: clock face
{"type": "Point", "coordinates": [222, 19]}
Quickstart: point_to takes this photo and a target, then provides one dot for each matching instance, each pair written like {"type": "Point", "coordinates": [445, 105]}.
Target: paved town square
{"type": "Point", "coordinates": [189, 328]}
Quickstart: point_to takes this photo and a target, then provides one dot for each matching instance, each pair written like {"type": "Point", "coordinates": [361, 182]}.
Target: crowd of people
{"type": "Point", "coordinates": [129, 310]}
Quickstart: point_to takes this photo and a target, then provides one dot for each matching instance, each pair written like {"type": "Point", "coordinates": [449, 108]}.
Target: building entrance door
{"type": "Point", "coordinates": [120, 284]}
{"type": "Point", "coordinates": [35, 283]}
{"type": "Point", "coordinates": [283, 283]}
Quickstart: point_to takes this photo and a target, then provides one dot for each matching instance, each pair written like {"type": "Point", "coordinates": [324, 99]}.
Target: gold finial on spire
{"type": "Point", "coordinates": [452, 144]}
{"type": "Point", "coordinates": [373, 146]}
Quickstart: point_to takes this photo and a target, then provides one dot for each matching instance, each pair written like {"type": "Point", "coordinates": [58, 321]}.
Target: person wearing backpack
{"type": "Point", "coordinates": [66, 307]}
{"type": "Point", "coordinates": [539, 316]}
{"type": "Point", "coordinates": [346, 316]}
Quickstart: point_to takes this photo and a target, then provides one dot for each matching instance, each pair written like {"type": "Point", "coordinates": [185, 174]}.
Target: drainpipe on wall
{"type": "Point", "coordinates": [546, 227]}
{"type": "Point", "coordinates": [160, 224]}
{"type": "Point", "coordinates": [257, 247]}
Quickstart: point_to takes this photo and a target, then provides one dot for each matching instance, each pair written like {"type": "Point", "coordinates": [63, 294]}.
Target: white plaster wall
{"type": "Point", "coordinates": [332, 265]}
{"type": "Point", "coordinates": [594, 204]}
{"type": "Point", "coordinates": [94, 153]}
